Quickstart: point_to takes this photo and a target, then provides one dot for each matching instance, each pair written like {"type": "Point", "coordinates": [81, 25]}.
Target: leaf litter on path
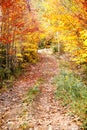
{"type": "Point", "coordinates": [44, 113]}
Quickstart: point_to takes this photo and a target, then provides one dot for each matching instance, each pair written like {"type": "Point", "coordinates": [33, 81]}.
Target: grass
{"type": "Point", "coordinates": [31, 94]}
{"type": "Point", "coordinates": [33, 91]}
{"type": "Point", "coordinates": [73, 92]}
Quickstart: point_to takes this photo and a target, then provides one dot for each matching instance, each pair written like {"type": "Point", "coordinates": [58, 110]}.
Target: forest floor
{"type": "Point", "coordinates": [44, 112]}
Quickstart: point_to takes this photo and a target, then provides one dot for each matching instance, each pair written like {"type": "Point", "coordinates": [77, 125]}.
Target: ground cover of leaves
{"type": "Point", "coordinates": [44, 113]}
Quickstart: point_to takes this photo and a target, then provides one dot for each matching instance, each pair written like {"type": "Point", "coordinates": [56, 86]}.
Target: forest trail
{"type": "Point", "coordinates": [44, 113]}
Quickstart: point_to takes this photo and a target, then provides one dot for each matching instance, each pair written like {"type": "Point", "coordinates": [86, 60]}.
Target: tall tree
{"type": "Point", "coordinates": [18, 21]}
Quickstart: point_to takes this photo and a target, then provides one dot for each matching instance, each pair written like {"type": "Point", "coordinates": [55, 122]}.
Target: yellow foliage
{"type": "Point", "coordinates": [68, 19]}
{"type": "Point", "coordinates": [29, 48]}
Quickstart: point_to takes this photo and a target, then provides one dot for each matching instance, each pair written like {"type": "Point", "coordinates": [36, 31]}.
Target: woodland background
{"type": "Point", "coordinates": [29, 25]}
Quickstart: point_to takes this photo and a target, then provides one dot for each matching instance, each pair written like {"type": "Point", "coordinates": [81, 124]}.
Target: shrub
{"type": "Point", "coordinates": [61, 48]}
{"type": "Point", "coordinates": [73, 92]}
{"type": "Point", "coordinates": [29, 53]}
{"type": "Point", "coordinates": [55, 48]}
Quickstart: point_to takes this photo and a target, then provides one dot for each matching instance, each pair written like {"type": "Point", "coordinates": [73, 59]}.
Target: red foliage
{"type": "Point", "coordinates": [15, 20]}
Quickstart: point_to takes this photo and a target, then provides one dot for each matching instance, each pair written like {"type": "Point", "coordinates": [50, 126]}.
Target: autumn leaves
{"type": "Point", "coordinates": [18, 36]}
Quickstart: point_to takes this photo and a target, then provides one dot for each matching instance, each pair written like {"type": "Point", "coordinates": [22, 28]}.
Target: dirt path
{"type": "Point", "coordinates": [45, 112]}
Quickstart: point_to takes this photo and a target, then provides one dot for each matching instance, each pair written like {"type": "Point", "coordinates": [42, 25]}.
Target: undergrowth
{"type": "Point", "coordinates": [33, 91]}
{"type": "Point", "coordinates": [72, 92]}
{"type": "Point", "coordinates": [31, 94]}
{"type": "Point", "coordinates": [7, 78]}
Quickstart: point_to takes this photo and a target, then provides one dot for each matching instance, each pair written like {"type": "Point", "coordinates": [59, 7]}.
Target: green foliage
{"type": "Point", "coordinates": [85, 124]}
{"type": "Point", "coordinates": [7, 77]}
{"type": "Point", "coordinates": [12, 63]}
{"type": "Point", "coordinates": [42, 44]}
{"type": "Point", "coordinates": [31, 94]}
{"type": "Point", "coordinates": [34, 91]}
{"type": "Point", "coordinates": [72, 91]}
{"type": "Point", "coordinates": [5, 73]}
{"type": "Point", "coordinates": [45, 43]}
{"type": "Point", "coordinates": [71, 85]}
{"type": "Point", "coordinates": [55, 48]}
{"type": "Point", "coordinates": [2, 55]}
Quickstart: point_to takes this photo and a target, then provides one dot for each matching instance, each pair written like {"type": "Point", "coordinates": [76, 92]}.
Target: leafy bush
{"type": "Point", "coordinates": [55, 48]}
{"type": "Point", "coordinates": [42, 44]}
{"type": "Point", "coordinates": [29, 53]}
{"type": "Point", "coordinates": [61, 48]}
{"type": "Point", "coordinates": [72, 91]}
{"type": "Point", "coordinates": [45, 43]}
